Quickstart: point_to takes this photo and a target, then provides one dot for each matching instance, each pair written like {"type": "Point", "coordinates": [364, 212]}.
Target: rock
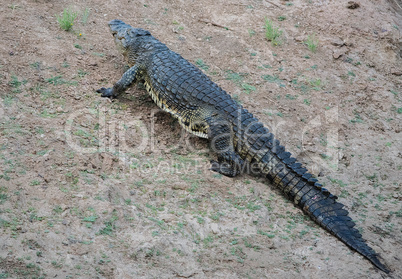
{"type": "Point", "coordinates": [337, 42]}
{"type": "Point", "coordinates": [92, 63]}
{"type": "Point", "coordinates": [396, 72]}
{"type": "Point", "coordinates": [339, 52]}
{"type": "Point", "coordinates": [168, 218]}
{"type": "Point", "coordinates": [179, 187]}
{"type": "Point", "coordinates": [397, 196]}
{"type": "Point", "coordinates": [214, 228]}
{"type": "Point", "coordinates": [300, 38]}
{"type": "Point", "coordinates": [352, 5]}
{"type": "Point", "coordinates": [383, 214]}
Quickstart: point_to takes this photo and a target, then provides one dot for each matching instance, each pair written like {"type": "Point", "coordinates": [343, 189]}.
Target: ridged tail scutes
{"type": "Point", "coordinates": [329, 214]}
{"type": "Point", "coordinates": [318, 203]}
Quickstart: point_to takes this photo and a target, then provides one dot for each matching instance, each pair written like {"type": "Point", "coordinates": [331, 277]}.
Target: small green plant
{"type": "Point", "coordinates": [200, 220]}
{"type": "Point", "coordinates": [200, 63]}
{"type": "Point", "coordinates": [65, 64]}
{"type": "Point", "coordinates": [270, 235]}
{"type": "Point", "coordinates": [99, 54]}
{"type": "Point", "coordinates": [58, 209]}
{"type": "Point", "coordinates": [291, 97]}
{"type": "Point", "coordinates": [235, 77]}
{"type": "Point", "coordinates": [35, 183]}
{"type": "Point", "coordinates": [85, 16]}
{"type": "Point", "coordinates": [312, 43]}
{"type": "Point", "coordinates": [81, 73]}
{"type": "Point", "coordinates": [15, 84]}
{"type": "Point", "coordinates": [274, 79]}
{"type": "Point", "coordinates": [56, 264]}
{"type": "Point", "coordinates": [58, 80]}
{"type": "Point", "coordinates": [315, 84]}
{"type": "Point", "coordinates": [66, 20]}
{"type": "Point", "coordinates": [248, 88]}
{"type": "Point", "coordinates": [110, 225]}
{"type": "Point", "coordinates": [272, 33]}
{"type": "Point", "coordinates": [357, 119]}
{"type": "Point", "coordinates": [35, 65]}
{"type": "Point", "coordinates": [3, 197]}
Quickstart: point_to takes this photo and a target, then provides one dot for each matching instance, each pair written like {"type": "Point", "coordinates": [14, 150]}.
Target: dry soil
{"type": "Point", "coordinates": [96, 189]}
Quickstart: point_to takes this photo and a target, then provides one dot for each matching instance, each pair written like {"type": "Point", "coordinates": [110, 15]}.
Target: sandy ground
{"type": "Point", "coordinates": [96, 189]}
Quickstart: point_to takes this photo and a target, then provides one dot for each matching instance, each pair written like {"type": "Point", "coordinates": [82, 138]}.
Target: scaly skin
{"type": "Point", "coordinates": [237, 137]}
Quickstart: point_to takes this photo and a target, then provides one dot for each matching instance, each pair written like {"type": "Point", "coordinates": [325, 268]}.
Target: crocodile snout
{"type": "Point", "coordinates": [116, 26]}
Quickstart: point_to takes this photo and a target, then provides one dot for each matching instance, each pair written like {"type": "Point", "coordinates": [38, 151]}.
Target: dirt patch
{"type": "Point", "coordinates": [92, 188]}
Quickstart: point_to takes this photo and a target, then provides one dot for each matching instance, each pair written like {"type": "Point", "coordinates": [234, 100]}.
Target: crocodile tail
{"type": "Point", "coordinates": [316, 201]}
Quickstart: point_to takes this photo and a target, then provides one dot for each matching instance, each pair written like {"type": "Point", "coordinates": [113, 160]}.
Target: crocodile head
{"type": "Point", "coordinates": [124, 35]}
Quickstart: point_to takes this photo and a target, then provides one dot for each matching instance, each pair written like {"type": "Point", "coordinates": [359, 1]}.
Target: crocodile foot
{"type": "Point", "coordinates": [223, 168]}
{"type": "Point", "coordinates": [106, 92]}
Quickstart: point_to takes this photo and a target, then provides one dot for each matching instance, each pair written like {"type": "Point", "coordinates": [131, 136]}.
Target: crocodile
{"type": "Point", "coordinates": [235, 135]}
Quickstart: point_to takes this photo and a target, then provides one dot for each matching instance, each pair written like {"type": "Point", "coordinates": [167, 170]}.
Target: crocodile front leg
{"type": "Point", "coordinates": [128, 78]}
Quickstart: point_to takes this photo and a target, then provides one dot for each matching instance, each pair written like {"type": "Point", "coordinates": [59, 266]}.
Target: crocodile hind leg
{"type": "Point", "coordinates": [128, 78]}
{"type": "Point", "coordinates": [229, 162]}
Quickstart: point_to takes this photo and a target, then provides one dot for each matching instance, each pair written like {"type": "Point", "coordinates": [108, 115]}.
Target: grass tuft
{"type": "Point", "coordinates": [66, 20]}
{"type": "Point", "coordinates": [272, 33]}
{"type": "Point", "coordinates": [312, 43]}
{"type": "Point", "coordinates": [85, 16]}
